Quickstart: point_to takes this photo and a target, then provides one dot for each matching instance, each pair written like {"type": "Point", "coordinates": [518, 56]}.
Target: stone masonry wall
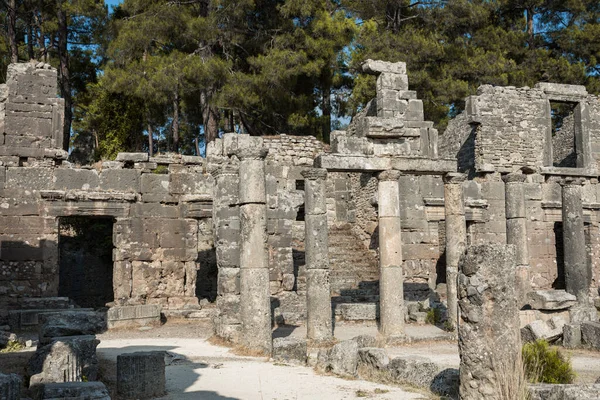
{"type": "Point", "coordinates": [157, 241]}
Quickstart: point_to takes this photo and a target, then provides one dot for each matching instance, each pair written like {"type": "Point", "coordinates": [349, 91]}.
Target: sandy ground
{"type": "Point", "coordinates": [200, 370]}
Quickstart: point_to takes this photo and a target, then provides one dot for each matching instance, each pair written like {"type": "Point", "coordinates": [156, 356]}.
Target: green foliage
{"type": "Point", "coordinates": [161, 169]}
{"type": "Point", "coordinates": [434, 316]}
{"type": "Point", "coordinates": [544, 364]}
{"type": "Point", "coordinates": [12, 346]}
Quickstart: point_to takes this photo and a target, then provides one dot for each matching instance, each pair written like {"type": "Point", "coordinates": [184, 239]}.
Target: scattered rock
{"type": "Point", "coordinates": [550, 331]}
{"type": "Point", "coordinates": [546, 391]}
{"type": "Point", "coordinates": [341, 359]}
{"type": "Point", "coordinates": [71, 323]}
{"type": "Point", "coordinates": [365, 341]}
{"type": "Point", "coordinates": [590, 334]}
{"type": "Point", "coordinates": [72, 390]}
{"type": "Point", "coordinates": [10, 387]}
{"type": "Point", "coordinates": [67, 359]}
{"type": "Point", "coordinates": [290, 350]}
{"type": "Point", "coordinates": [373, 357]}
{"type": "Point", "coordinates": [551, 300]}
{"type": "Point", "coordinates": [572, 336]}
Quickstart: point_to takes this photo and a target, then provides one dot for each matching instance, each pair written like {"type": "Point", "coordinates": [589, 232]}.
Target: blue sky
{"type": "Point", "coordinates": [112, 2]}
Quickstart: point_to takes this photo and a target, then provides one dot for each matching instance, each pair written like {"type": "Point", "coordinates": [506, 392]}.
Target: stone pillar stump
{"type": "Point", "coordinates": [391, 278]}
{"type": "Point", "coordinates": [318, 292]}
{"type": "Point", "coordinates": [456, 238]}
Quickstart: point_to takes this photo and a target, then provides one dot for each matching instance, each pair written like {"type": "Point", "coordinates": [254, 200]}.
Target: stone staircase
{"type": "Point", "coordinates": [354, 272]}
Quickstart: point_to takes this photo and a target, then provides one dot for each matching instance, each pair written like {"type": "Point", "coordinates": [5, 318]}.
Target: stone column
{"type": "Point", "coordinates": [226, 220]}
{"type": "Point", "coordinates": [456, 238]}
{"type": "Point", "coordinates": [255, 297]}
{"type": "Point", "coordinates": [318, 294]}
{"type": "Point", "coordinates": [516, 230]}
{"type": "Point", "coordinates": [577, 271]}
{"type": "Point", "coordinates": [489, 340]}
{"type": "Point", "coordinates": [391, 279]}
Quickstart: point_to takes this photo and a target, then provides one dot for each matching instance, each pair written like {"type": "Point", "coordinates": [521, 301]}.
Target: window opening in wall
{"type": "Point", "coordinates": [564, 131]}
{"type": "Point", "coordinates": [85, 260]}
{"type": "Point", "coordinates": [559, 282]}
{"type": "Point", "coordinates": [440, 266]}
{"type": "Point", "coordinates": [300, 214]}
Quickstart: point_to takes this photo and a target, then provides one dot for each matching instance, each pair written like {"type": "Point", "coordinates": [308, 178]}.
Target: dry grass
{"type": "Point", "coordinates": [511, 382]}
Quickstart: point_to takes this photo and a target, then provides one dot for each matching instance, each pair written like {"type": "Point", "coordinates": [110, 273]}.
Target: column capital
{"type": "Point", "coordinates": [514, 177]}
{"type": "Point", "coordinates": [252, 153]}
{"type": "Point", "coordinates": [226, 169]}
{"type": "Point", "coordinates": [314, 174]}
{"type": "Point", "coordinates": [454, 177]}
{"type": "Point", "coordinates": [389, 175]}
{"type": "Point", "coordinates": [572, 181]}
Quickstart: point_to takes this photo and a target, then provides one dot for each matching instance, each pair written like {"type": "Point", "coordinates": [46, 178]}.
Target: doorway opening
{"type": "Point", "coordinates": [85, 260]}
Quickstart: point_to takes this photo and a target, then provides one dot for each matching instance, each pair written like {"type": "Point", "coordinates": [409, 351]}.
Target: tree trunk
{"type": "Point", "coordinates": [150, 141]}
{"type": "Point", "coordinates": [530, 32]}
{"type": "Point", "coordinates": [197, 146]}
{"type": "Point", "coordinates": [210, 118]}
{"type": "Point", "coordinates": [175, 124]}
{"type": "Point", "coordinates": [326, 107]}
{"type": "Point", "coordinates": [64, 76]}
{"type": "Point", "coordinates": [30, 52]}
{"type": "Point", "coordinates": [12, 32]}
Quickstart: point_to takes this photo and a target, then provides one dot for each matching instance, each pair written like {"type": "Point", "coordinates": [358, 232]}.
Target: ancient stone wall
{"type": "Point", "coordinates": [157, 244]}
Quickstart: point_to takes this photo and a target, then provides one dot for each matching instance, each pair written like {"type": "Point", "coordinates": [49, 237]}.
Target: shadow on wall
{"type": "Point", "coordinates": [181, 372]}
{"type": "Point", "coordinates": [22, 271]}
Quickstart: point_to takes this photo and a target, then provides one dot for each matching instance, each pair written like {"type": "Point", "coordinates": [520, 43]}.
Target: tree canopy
{"type": "Point", "coordinates": [170, 75]}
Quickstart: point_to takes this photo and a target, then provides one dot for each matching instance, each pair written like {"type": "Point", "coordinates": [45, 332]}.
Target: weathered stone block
{"type": "Point", "coordinates": [132, 157]}
{"type": "Point", "coordinates": [72, 391]}
{"type": "Point", "coordinates": [551, 300]}
{"type": "Point", "coordinates": [290, 350]}
{"type": "Point", "coordinates": [120, 180]}
{"type": "Point", "coordinates": [141, 375]}
{"type": "Point", "coordinates": [341, 359]}
{"type": "Point", "coordinates": [590, 334]}
{"type": "Point", "coordinates": [65, 359]}
{"type": "Point", "coordinates": [373, 357]}
{"type": "Point", "coordinates": [358, 311]}
{"type": "Point", "coordinates": [133, 316]}
{"type": "Point", "coordinates": [10, 387]}
{"type": "Point", "coordinates": [75, 179]}
{"type": "Point", "coordinates": [155, 183]}
{"type": "Point", "coordinates": [571, 336]}
{"type": "Point", "coordinates": [71, 323]}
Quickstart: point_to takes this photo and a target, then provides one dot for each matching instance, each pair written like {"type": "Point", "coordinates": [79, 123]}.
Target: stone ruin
{"type": "Point", "coordinates": [287, 230]}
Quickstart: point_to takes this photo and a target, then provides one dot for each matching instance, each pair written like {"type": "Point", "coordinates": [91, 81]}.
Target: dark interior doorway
{"type": "Point", "coordinates": [85, 260]}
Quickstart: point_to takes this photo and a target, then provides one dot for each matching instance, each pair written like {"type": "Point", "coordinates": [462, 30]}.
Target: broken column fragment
{"type": "Point", "coordinates": [391, 279]}
{"type": "Point", "coordinates": [318, 294]}
{"type": "Point", "coordinates": [488, 331]}
{"type": "Point", "coordinates": [456, 238]}
{"type": "Point", "coordinates": [255, 300]}
{"type": "Point", "coordinates": [141, 375]}
{"type": "Point", "coordinates": [516, 229]}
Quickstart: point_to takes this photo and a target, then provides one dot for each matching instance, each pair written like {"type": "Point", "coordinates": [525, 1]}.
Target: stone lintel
{"type": "Point", "coordinates": [375, 67]}
{"type": "Point", "coordinates": [338, 162]}
{"type": "Point", "coordinates": [514, 177]}
{"type": "Point", "coordinates": [577, 172]}
{"type": "Point", "coordinates": [314, 174]}
{"type": "Point", "coordinates": [454, 178]}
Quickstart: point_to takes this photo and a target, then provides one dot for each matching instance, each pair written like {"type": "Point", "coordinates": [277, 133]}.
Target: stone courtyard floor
{"type": "Point", "coordinates": [202, 370]}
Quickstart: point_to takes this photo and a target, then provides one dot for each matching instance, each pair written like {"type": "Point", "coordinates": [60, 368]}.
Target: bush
{"type": "Point", "coordinates": [434, 316]}
{"type": "Point", "coordinates": [12, 346]}
{"type": "Point", "coordinates": [544, 364]}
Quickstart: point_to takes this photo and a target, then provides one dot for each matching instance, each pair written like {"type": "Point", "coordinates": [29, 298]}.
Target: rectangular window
{"type": "Point", "coordinates": [564, 134]}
